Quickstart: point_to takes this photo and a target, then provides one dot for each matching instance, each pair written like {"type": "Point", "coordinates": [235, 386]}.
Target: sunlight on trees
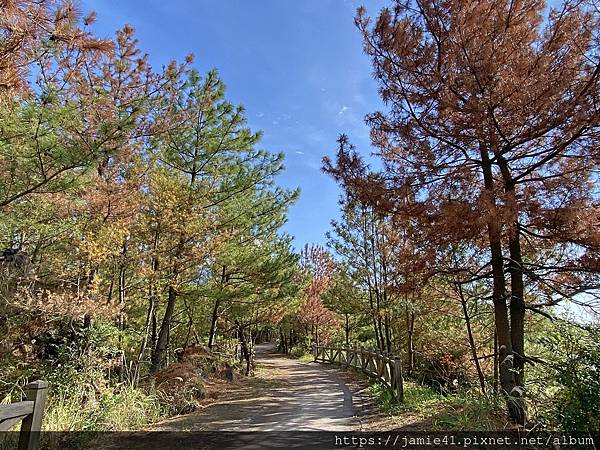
{"type": "Point", "coordinates": [141, 220]}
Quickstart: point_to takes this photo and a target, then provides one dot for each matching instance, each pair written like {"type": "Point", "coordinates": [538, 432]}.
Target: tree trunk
{"type": "Point", "coordinates": [375, 330]}
{"type": "Point", "coordinates": [517, 301]}
{"type": "Point", "coordinates": [213, 324]}
{"type": "Point", "coordinates": [215, 312]}
{"type": "Point", "coordinates": [463, 301]}
{"type": "Point", "coordinates": [367, 266]}
{"type": "Point", "coordinates": [163, 333]}
{"type": "Point", "coordinates": [151, 325]}
{"type": "Point", "coordinates": [154, 330]}
{"type": "Point", "coordinates": [388, 334]}
{"type": "Point", "coordinates": [244, 344]}
{"type": "Point", "coordinates": [495, 362]}
{"type": "Point", "coordinates": [517, 323]}
{"type": "Point", "coordinates": [410, 326]}
{"type": "Point", "coordinates": [282, 341]}
{"type": "Point", "coordinates": [380, 330]}
{"type": "Point", "coordinates": [505, 350]}
{"type": "Point", "coordinates": [147, 331]}
{"type": "Point", "coordinates": [347, 329]}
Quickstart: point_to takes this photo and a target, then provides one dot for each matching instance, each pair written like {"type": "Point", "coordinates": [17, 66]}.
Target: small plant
{"type": "Point", "coordinates": [302, 353]}
{"type": "Point", "coordinates": [306, 357]}
{"type": "Point", "coordinates": [575, 397]}
{"type": "Point", "coordinates": [463, 411]}
{"type": "Point", "coordinates": [417, 398]}
{"type": "Point", "coordinates": [130, 409]}
{"type": "Point", "coordinates": [121, 409]}
{"type": "Point", "coordinates": [471, 411]}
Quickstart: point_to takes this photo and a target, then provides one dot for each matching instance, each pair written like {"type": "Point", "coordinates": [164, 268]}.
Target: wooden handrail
{"type": "Point", "coordinates": [384, 368]}
{"type": "Point", "coordinates": [14, 410]}
{"type": "Point", "coordinates": [29, 413]}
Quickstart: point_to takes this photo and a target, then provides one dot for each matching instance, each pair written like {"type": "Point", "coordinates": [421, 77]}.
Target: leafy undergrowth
{"type": "Point", "coordinates": [306, 357]}
{"type": "Point", "coordinates": [79, 405]}
{"type": "Point", "coordinates": [462, 411]}
{"type": "Point", "coordinates": [125, 408]}
{"type": "Point", "coordinates": [301, 353]}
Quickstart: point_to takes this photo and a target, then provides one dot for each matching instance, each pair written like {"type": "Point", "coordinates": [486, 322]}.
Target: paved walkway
{"type": "Point", "coordinates": [286, 395]}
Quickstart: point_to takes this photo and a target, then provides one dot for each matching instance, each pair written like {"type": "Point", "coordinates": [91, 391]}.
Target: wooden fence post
{"type": "Point", "coordinates": [398, 380]}
{"type": "Point", "coordinates": [362, 358]}
{"type": "Point", "coordinates": [29, 438]}
{"type": "Point", "coordinates": [380, 365]}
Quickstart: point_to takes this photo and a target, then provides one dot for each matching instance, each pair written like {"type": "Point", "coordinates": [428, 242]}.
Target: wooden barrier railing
{"type": "Point", "coordinates": [29, 413]}
{"type": "Point", "coordinates": [384, 368]}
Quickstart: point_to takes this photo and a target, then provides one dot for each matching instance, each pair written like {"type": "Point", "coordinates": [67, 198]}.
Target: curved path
{"type": "Point", "coordinates": [285, 395]}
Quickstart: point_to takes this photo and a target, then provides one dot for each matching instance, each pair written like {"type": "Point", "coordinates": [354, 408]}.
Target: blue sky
{"type": "Point", "coordinates": [297, 67]}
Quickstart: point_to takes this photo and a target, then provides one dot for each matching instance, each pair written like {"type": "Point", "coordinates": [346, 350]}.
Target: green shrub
{"type": "Point", "coordinates": [302, 353]}
{"type": "Point", "coordinates": [575, 398]}
{"type": "Point", "coordinates": [125, 408]}
{"type": "Point", "coordinates": [129, 409]}
{"type": "Point", "coordinates": [462, 411]}
{"type": "Point", "coordinates": [417, 398]}
{"type": "Point", "coordinates": [83, 395]}
{"type": "Point", "coordinates": [299, 351]}
{"type": "Point", "coordinates": [471, 411]}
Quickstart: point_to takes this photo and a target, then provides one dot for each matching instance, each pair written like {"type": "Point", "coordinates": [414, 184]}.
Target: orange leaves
{"type": "Point", "coordinates": [26, 27]}
{"type": "Point", "coordinates": [63, 303]}
{"type": "Point", "coordinates": [318, 267]}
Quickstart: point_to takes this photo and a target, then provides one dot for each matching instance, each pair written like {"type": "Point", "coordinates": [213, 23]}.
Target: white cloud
{"type": "Point", "coordinates": [260, 114]}
{"type": "Point", "coordinates": [343, 110]}
{"type": "Point", "coordinates": [299, 153]}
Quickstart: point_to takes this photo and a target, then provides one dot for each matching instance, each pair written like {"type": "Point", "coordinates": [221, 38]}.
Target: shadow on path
{"type": "Point", "coordinates": [285, 395]}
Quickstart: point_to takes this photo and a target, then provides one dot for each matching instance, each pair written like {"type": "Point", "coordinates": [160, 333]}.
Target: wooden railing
{"type": "Point", "coordinates": [29, 413]}
{"type": "Point", "coordinates": [384, 368]}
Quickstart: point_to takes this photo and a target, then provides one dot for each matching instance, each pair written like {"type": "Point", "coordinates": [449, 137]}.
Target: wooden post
{"type": "Point", "coordinates": [315, 354]}
{"type": "Point", "coordinates": [362, 358]}
{"type": "Point", "coordinates": [398, 384]}
{"type": "Point", "coordinates": [29, 438]}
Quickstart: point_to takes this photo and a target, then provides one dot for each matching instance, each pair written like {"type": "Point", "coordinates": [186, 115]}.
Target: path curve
{"type": "Point", "coordinates": [291, 396]}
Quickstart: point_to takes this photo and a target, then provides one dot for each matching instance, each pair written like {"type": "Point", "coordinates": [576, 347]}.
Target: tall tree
{"type": "Point", "coordinates": [318, 268]}
{"type": "Point", "coordinates": [493, 118]}
{"type": "Point", "coordinates": [362, 239]}
{"type": "Point", "coordinates": [208, 160]}
{"type": "Point", "coordinates": [252, 220]}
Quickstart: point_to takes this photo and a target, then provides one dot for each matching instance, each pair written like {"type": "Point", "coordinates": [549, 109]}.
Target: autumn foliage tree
{"type": "Point", "coordinates": [489, 138]}
{"type": "Point", "coordinates": [319, 269]}
{"type": "Point", "coordinates": [124, 192]}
